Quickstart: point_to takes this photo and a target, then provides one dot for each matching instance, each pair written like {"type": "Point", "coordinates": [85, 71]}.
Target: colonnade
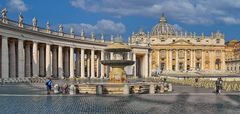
{"type": "Point", "coordinates": [23, 58]}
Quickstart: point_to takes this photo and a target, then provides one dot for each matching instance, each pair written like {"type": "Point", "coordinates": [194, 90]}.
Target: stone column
{"type": "Point", "coordinates": [48, 61]}
{"type": "Point", "coordinates": [111, 58]}
{"type": "Point", "coordinates": [88, 65]}
{"type": "Point", "coordinates": [66, 63]}
{"type": "Point", "coordinates": [170, 62]}
{"type": "Point", "coordinates": [60, 62]}
{"type": "Point", "coordinates": [54, 62]}
{"type": "Point", "coordinates": [145, 65]}
{"type": "Point", "coordinates": [4, 57]}
{"type": "Point", "coordinates": [71, 62]}
{"type": "Point", "coordinates": [177, 67]}
{"type": "Point", "coordinates": [27, 59]}
{"type": "Point", "coordinates": [223, 61]}
{"type": "Point", "coordinates": [212, 60]}
{"type": "Point", "coordinates": [20, 59]}
{"type": "Point", "coordinates": [12, 59]}
{"type": "Point", "coordinates": [134, 66]}
{"type": "Point", "coordinates": [92, 64]}
{"type": "Point", "coordinates": [158, 59]}
{"type": "Point", "coordinates": [203, 60]}
{"type": "Point", "coordinates": [185, 60]}
{"type": "Point", "coordinates": [97, 66]}
{"type": "Point", "coordinates": [150, 65]}
{"type": "Point", "coordinates": [41, 60]}
{"type": "Point", "coordinates": [191, 59]}
{"type": "Point", "coordinates": [194, 60]}
{"type": "Point", "coordinates": [82, 64]}
{"type": "Point", "coordinates": [35, 65]}
{"type": "Point", "coordinates": [102, 66]}
{"type": "Point", "coordinates": [77, 63]}
{"type": "Point", "coordinates": [167, 60]}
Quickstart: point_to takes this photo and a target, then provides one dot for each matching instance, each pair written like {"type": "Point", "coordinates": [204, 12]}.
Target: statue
{"type": "Point", "coordinates": [48, 26]}
{"type": "Point", "coordinates": [82, 34]}
{"type": "Point", "coordinates": [203, 35]}
{"type": "Point", "coordinates": [71, 30]}
{"type": "Point", "coordinates": [60, 28]}
{"type": "Point", "coordinates": [185, 34]}
{"type": "Point", "coordinates": [194, 34]}
{"type": "Point", "coordinates": [191, 34]}
{"type": "Point", "coordinates": [4, 15]}
{"type": "Point", "coordinates": [34, 22]}
{"type": "Point", "coordinates": [148, 34]}
{"type": "Point", "coordinates": [20, 20]}
{"type": "Point", "coordinates": [129, 40]}
{"type": "Point", "coordinates": [111, 37]}
{"type": "Point", "coordinates": [92, 35]}
{"type": "Point", "coordinates": [102, 37]}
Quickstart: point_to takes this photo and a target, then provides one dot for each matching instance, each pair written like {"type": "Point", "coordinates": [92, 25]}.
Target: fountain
{"type": "Point", "coordinates": [120, 58]}
{"type": "Point", "coordinates": [117, 56]}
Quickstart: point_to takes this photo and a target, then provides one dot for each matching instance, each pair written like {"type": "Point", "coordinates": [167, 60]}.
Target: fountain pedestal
{"type": "Point", "coordinates": [117, 75]}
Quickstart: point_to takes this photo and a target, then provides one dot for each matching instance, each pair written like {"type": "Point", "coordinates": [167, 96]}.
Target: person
{"type": "Point", "coordinates": [217, 85]}
{"type": "Point", "coordinates": [49, 85]}
{"type": "Point", "coordinates": [220, 85]}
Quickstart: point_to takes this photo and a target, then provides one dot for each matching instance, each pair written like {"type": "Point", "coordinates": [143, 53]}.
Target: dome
{"type": "Point", "coordinates": [163, 27]}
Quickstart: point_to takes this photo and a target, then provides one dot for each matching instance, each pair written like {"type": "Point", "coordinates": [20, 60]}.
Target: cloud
{"type": "Point", "coordinates": [17, 5]}
{"type": "Point", "coordinates": [102, 26]}
{"type": "Point", "coordinates": [230, 20]}
{"type": "Point", "coordinates": [185, 11]}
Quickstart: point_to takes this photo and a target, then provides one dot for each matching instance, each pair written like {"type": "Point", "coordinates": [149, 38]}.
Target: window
{"type": "Point", "coordinates": [188, 40]}
{"type": "Point", "coordinates": [173, 40]}
{"type": "Point", "coordinates": [198, 39]}
{"type": "Point", "coordinates": [162, 40]}
{"type": "Point", "coordinates": [207, 41]}
{"type": "Point", "coordinates": [217, 41]}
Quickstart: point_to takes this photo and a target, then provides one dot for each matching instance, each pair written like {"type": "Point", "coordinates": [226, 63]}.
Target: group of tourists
{"type": "Point", "coordinates": [57, 89]}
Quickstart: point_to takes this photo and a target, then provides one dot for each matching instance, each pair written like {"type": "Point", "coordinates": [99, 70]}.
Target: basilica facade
{"type": "Point", "coordinates": [31, 51]}
{"type": "Point", "coordinates": [175, 51]}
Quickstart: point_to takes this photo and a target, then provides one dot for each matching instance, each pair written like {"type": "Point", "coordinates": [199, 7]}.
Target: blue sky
{"type": "Point", "coordinates": [123, 17]}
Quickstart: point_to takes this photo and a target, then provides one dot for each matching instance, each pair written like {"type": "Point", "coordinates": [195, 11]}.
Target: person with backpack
{"type": "Point", "coordinates": [49, 85]}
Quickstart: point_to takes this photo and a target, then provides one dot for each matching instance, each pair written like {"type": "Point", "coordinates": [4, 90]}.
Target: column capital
{"type": "Point", "coordinates": [35, 42]}
{"type": "Point", "coordinates": [28, 42]}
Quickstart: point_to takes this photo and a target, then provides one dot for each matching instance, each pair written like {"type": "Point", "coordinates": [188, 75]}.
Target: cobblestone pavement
{"type": "Point", "coordinates": [23, 98]}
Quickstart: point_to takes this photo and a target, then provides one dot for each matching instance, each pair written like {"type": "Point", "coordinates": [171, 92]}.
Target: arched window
{"type": "Point", "coordinates": [217, 41]}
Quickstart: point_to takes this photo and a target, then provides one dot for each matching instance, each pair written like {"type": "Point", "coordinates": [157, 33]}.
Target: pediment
{"type": "Point", "coordinates": [181, 42]}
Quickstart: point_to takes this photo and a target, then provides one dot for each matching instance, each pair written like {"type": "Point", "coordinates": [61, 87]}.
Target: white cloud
{"type": "Point", "coordinates": [185, 11]}
{"type": "Point", "coordinates": [230, 20]}
{"type": "Point", "coordinates": [18, 5]}
{"type": "Point", "coordinates": [102, 26]}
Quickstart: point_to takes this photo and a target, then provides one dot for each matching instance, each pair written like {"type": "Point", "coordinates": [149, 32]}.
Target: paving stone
{"type": "Point", "coordinates": [184, 103]}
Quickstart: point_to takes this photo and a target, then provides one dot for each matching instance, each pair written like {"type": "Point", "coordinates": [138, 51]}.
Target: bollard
{"type": "Point", "coordinates": [56, 89]}
{"type": "Point", "coordinates": [72, 90]}
{"type": "Point", "coordinates": [99, 89]}
{"type": "Point", "coordinates": [161, 88]}
{"type": "Point", "coordinates": [170, 89]}
{"type": "Point", "coordinates": [126, 89]}
{"type": "Point", "coordinates": [151, 89]}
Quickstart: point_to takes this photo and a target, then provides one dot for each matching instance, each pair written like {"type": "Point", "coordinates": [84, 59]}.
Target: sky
{"type": "Point", "coordinates": [122, 17]}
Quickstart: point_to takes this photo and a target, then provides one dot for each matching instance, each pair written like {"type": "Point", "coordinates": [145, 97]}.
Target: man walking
{"type": "Point", "coordinates": [49, 85]}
